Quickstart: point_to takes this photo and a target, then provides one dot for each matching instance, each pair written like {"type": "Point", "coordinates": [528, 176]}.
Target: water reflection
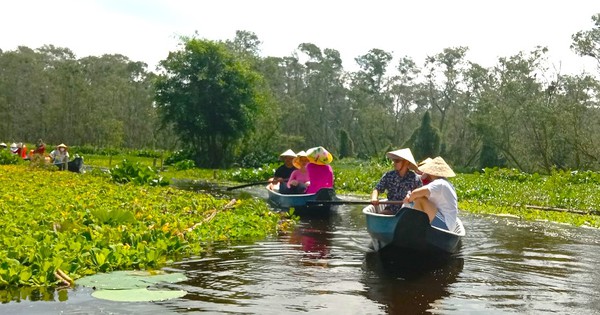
{"type": "Point", "coordinates": [408, 282]}
{"type": "Point", "coordinates": [314, 237]}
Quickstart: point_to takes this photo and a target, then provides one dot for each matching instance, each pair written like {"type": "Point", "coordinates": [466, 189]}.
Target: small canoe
{"type": "Point", "coordinates": [410, 229]}
{"type": "Point", "coordinates": [299, 201]}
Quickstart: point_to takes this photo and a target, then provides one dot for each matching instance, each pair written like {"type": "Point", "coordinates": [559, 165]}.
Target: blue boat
{"type": "Point", "coordinates": [305, 203]}
{"type": "Point", "coordinates": [410, 229]}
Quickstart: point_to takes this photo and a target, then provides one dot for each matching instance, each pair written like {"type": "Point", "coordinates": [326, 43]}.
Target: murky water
{"type": "Point", "coordinates": [325, 267]}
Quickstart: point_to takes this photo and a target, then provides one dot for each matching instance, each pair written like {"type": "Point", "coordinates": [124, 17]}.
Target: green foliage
{"type": "Point", "coordinates": [136, 173]}
{"type": "Point", "coordinates": [8, 158]}
{"type": "Point", "coordinates": [258, 159]}
{"type": "Point", "coordinates": [346, 145]}
{"type": "Point", "coordinates": [184, 165]}
{"type": "Point", "coordinates": [252, 174]}
{"type": "Point", "coordinates": [209, 96]}
{"type": "Point", "coordinates": [425, 140]}
{"type": "Point", "coordinates": [84, 224]}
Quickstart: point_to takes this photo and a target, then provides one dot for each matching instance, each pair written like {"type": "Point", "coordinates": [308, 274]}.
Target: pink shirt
{"type": "Point", "coordinates": [299, 176]}
{"type": "Point", "coordinates": [321, 176]}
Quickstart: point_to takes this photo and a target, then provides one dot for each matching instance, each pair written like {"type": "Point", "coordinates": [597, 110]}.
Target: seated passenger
{"type": "Point", "coordinates": [283, 172]}
{"type": "Point", "coordinates": [299, 178]}
{"type": "Point", "coordinates": [437, 199]}
{"type": "Point", "coordinates": [397, 182]}
{"type": "Point", "coordinates": [319, 170]}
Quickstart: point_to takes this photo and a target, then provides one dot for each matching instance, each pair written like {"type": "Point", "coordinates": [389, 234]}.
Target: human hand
{"type": "Point", "coordinates": [375, 202]}
{"type": "Point", "coordinates": [293, 182]}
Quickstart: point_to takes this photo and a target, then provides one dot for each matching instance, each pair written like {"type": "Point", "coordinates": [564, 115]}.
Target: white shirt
{"type": "Point", "coordinates": [59, 156]}
{"type": "Point", "coordinates": [443, 196]}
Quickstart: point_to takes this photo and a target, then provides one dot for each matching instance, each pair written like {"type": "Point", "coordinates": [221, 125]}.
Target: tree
{"type": "Point", "coordinates": [425, 140]}
{"type": "Point", "coordinates": [587, 43]}
{"type": "Point", "coordinates": [209, 96]}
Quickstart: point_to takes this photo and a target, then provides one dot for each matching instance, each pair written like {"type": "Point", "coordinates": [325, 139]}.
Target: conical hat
{"type": "Point", "coordinates": [437, 167]}
{"type": "Point", "coordinates": [296, 161]}
{"type": "Point", "coordinates": [288, 153]}
{"type": "Point", "coordinates": [404, 154]}
{"type": "Point", "coordinates": [319, 155]}
{"type": "Point", "coordinates": [425, 161]}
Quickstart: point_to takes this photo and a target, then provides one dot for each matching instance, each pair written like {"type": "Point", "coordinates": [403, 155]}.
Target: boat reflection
{"type": "Point", "coordinates": [314, 236]}
{"type": "Point", "coordinates": [409, 282]}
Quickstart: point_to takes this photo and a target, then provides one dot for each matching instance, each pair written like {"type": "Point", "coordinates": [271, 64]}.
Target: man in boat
{"type": "Point", "coordinates": [438, 198]}
{"type": "Point", "coordinates": [399, 181]}
{"type": "Point", "coordinates": [283, 172]}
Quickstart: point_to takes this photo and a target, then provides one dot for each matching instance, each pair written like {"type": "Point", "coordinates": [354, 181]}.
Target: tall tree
{"type": "Point", "coordinates": [209, 96]}
{"type": "Point", "coordinates": [425, 140]}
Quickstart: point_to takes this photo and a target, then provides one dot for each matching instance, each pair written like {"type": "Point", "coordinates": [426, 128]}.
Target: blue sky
{"type": "Point", "coordinates": [146, 30]}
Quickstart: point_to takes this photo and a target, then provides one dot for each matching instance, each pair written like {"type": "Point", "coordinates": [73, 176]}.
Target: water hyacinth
{"type": "Point", "coordinates": [84, 224]}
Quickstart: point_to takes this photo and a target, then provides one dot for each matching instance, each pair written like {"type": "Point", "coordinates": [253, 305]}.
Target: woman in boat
{"type": "Point", "coordinates": [424, 178]}
{"type": "Point", "coordinates": [438, 198]}
{"type": "Point", "coordinates": [399, 181]}
{"type": "Point", "coordinates": [319, 170]}
{"type": "Point", "coordinates": [283, 172]}
{"type": "Point", "coordinates": [60, 156]}
{"type": "Point", "coordinates": [299, 178]}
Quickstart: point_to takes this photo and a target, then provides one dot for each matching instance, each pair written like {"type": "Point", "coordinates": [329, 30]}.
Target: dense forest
{"type": "Point", "coordinates": [519, 113]}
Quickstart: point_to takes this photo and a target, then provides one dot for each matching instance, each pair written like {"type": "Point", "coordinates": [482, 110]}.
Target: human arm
{"type": "Point", "coordinates": [375, 197]}
{"type": "Point", "coordinates": [417, 193]}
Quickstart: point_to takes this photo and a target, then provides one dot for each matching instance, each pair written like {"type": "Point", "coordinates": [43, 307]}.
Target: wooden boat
{"type": "Point", "coordinates": [410, 229]}
{"type": "Point", "coordinates": [302, 203]}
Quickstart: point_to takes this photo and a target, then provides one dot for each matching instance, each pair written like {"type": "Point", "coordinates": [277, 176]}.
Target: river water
{"type": "Point", "coordinates": [325, 266]}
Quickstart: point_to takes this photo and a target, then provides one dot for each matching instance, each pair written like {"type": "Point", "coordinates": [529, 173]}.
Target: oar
{"type": "Point", "coordinates": [355, 202]}
{"type": "Point", "coordinates": [249, 184]}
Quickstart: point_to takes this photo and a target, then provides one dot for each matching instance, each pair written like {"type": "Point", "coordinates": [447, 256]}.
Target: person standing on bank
{"type": "Point", "coordinates": [60, 156]}
{"type": "Point", "coordinates": [397, 182]}
{"type": "Point", "coordinates": [438, 198]}
{"type": "Point", "coordinates": [283, 172]}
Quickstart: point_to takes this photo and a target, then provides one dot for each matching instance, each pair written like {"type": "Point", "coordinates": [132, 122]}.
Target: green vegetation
{"type": "Point", "coordinates": [226, 105]}
{"type": "Point", "coordinates": [569, 197]}
{"type": "Point", "coordinates": [53, 221]}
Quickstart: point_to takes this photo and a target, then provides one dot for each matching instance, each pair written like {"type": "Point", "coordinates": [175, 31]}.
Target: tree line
{"type": "Point", "coordinates": [224, 103]}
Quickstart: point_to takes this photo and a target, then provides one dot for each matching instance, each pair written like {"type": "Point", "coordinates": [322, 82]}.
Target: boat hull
{"type": "Point", "coordinates": [299, 202]}
{"type": "Point", "coordinates": [410, 229]}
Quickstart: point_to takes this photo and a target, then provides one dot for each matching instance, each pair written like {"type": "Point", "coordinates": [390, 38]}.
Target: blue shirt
{"type": "Point", "coordinates": [397, 187]}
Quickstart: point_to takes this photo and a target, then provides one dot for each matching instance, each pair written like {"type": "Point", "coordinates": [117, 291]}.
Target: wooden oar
{"type": "Point", "coordinates": [355, 202]}
{"type": "Point", "coordinates": [249, 184]}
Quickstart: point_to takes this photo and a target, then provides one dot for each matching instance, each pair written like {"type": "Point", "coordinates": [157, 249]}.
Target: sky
{"type": "Point", "coordinates": [146, 30]}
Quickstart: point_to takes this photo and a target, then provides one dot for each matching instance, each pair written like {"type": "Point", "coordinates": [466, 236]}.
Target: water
{"type": "Point", "coordinates": [325, 267]}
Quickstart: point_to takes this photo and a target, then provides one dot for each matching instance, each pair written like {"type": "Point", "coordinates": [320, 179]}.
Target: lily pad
{"type": "Point", "coordinates": [124, 280]}
{"type": "Point", "coordinates": [138, 295]}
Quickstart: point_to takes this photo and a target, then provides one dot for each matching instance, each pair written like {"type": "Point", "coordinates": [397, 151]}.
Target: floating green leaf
{"type": "Point", "coordinates": [124, 280]}
{"type": "Point", "coordinates": [138, 295]}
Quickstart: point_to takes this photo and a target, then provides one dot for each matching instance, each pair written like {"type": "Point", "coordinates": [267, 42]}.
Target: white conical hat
{"type": "Point", "coordinates": [437, 167]}
{"type": "Point", "coordinates": [404, 154]}
{"type": "Point", "coordinates": [288, 153]}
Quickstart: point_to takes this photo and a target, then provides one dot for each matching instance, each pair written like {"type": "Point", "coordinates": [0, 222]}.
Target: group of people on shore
{"type": "Point", "coordinates": [422, 186]}
{"type": "Point", "coordinates": [303, 172]}
{"type": "Point", "coordinates": [60, 155]}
